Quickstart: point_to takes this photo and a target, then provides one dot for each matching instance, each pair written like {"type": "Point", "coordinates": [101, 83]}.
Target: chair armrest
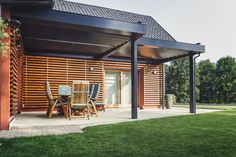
{"type": "Point", "coordinates": [56, 99]}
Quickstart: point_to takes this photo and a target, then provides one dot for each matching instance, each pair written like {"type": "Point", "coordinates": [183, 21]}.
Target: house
{"type": "Point", "coordinates": [61, 41]}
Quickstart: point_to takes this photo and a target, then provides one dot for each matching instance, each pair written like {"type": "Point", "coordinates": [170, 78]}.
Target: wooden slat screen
{"type": "Point", "coordinates": [63, 70]}
{"type": "Point", "coordinates": [13, 79]}
{"type": "Point", "coordinates": [15, 73]}
{"type": "Point", "coordinates": [153, 85]}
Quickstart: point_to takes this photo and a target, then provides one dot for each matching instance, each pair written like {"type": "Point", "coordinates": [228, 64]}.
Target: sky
{"type": "Point", "coordinates": [210, 22]}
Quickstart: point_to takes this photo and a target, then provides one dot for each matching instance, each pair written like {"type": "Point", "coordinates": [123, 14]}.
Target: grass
{"type": "Point", "coordinates": [209, 106]}
{"type": "Point", "coordinates": [208, 135]}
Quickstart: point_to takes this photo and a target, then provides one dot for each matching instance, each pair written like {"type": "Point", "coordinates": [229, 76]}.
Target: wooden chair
{"type": "Point", "coordinates": [79, 99]}
{"type": "Point", "coordinates": [94, 96]}
{"type": "Point", "coordinates": [94, 91]}
{"type": "Point", "coordinates": [53, 102]}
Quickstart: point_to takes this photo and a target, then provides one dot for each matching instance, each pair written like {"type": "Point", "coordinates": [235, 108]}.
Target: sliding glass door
{"type": "Point", "coordinates": [118, 88]}
{"type": "Point", "coordinates": [112, 88]}
{"type": "Point", "coordinates": [125, 89]}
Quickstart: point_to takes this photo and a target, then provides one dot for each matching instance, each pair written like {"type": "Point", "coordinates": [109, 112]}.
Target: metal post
{"type": "Point", "coordinates": [192, 84]}
{"type": "Point", "coordinates": [134, 75]}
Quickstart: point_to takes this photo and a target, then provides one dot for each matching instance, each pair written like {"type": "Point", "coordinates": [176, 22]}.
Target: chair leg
{"type": "Point", "coordinates": [51, 109]}
{"type": "Point", "coordinates": [69, 108]}
{"type": "Point", "coordinates": [48, 110]}
{"type": "Point", "coordinates": [103, 108]}
{"type": "Point", "coordinates": [87, 112]}
{"type": "Point", "coordinates": [64, 110]}
{"type": "Point", "coordinates": [94, 108]}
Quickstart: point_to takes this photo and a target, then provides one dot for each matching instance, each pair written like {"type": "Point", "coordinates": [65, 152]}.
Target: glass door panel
{"type": "Point", "coordinates": [112, 87]}
{"type": "Point", "coordinates": [125, 89]}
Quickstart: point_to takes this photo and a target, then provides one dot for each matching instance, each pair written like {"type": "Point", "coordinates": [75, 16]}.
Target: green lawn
{"type": "Point", "coordinates": [210, 135]}
{"type": "Point", "coordinates": [209, 106]}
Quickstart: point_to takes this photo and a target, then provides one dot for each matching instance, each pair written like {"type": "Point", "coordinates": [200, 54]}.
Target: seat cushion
{"type": "Point", "coordinates": [75, 106]}
{"type": "Point", "coordinates": [99, 103]}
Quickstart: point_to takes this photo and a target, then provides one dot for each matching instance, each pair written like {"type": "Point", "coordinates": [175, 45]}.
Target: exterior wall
{"type": "Point", "coordinates": [37, 69]}
{"type": "Point", "coordinates": [5, 80]}
{"type": "Point", "coordinates": [153, 86]}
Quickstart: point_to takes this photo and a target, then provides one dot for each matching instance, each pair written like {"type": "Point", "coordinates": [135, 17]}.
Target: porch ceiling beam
{"type": "Point", "coordinates": [112, 51]}
{"type": "Point", "coordinates": [36, 52]}
{"type": "Point", "coordinates": [68, 42]}
{"type": "Point", "coordinates": [171, 45]}
{"type": "Point", "coordinates": [161, 61]}
{"type": "Point", "coordinates": [94, 23]}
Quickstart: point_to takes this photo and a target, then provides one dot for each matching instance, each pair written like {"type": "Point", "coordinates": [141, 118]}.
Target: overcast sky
{"type": "Point", "coordinates": [211, 22]}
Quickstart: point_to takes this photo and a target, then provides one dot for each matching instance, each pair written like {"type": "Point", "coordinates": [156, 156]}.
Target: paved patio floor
{"type": "Point", "coordinates": [36, 123]}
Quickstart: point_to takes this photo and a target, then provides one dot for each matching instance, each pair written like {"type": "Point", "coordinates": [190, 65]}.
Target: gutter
{"type": "Point", "coordinates": [28, 3]}
{"type": "Point", "coordinates": [196, 57]}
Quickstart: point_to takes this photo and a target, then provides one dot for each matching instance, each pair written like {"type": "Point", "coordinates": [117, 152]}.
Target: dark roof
{"type": "Point", "coordinates": [154, 30]}
{"type": "Point", "coordinates": [27, 3]}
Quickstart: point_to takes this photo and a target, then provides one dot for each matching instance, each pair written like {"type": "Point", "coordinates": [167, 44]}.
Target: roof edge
{"type": "Point", "coordinates": [193, 48]}
{"type": "Point", "coordinates": [28, 3]}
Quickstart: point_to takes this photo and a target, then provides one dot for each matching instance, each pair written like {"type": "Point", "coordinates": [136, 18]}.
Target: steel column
{"type": "Point", "coordinates": [192, 84]}
{"type": "Point", "coordinates": [134, 75]}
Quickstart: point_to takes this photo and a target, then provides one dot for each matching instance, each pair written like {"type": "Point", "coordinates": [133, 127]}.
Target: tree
{"type": "Point", "coordinates": [207, 81]}
{"type": "Point", "coordinates": [226, 79]}
{"type": "Point", "coordinates": [177, 79]}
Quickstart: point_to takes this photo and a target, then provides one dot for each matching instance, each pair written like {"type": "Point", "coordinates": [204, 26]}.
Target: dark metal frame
{"type": "Point", "coordinates": [89, 22]}
{"type": "Point", "coordinates": [134, 81]}
{"type": "Point", "coordinates": [191, 48]}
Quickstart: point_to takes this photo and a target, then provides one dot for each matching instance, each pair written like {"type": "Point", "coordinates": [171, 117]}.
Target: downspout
{"type": "Point", "coordinates": [195, 72]}
{"type": "Point", "coordinates": [192, 83]}
{"type": "Point", "coordinates": [198, 55]}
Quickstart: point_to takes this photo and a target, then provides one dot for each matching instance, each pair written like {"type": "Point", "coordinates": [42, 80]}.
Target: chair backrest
{"type": "Point", "coordinates": [91, 87]}
{"type": "Point", "coordinates": [96, 91]}
{"type": "Point", "coordinates": [48, 92]}
{"type": "Point", "coordinates": [64, 90]}
{"type": "Point", "coordinates": [80, 91]}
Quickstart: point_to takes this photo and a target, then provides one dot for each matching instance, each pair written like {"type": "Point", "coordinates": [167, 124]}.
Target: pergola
{"type": "Point", "coordinates": [47, 32]}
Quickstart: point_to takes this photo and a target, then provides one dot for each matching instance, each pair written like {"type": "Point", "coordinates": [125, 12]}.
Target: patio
{"type": "Point", "coordinates": [36, 123]}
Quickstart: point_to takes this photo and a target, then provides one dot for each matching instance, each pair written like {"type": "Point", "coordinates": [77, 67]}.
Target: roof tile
{"type": "Point", "coordinates": [154, 30]}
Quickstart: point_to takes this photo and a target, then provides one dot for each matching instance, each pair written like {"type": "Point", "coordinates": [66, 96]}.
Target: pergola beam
{"type": "Point", "coordinates": [172, 45]}
{"type": "Point", "coordinates": [112, 51]}
{"type": "Point", "coordinates": [89, 23]}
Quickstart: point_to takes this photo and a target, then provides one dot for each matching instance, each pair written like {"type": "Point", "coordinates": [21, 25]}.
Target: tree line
{"type": "Point", "coordinates": [215, 82]}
